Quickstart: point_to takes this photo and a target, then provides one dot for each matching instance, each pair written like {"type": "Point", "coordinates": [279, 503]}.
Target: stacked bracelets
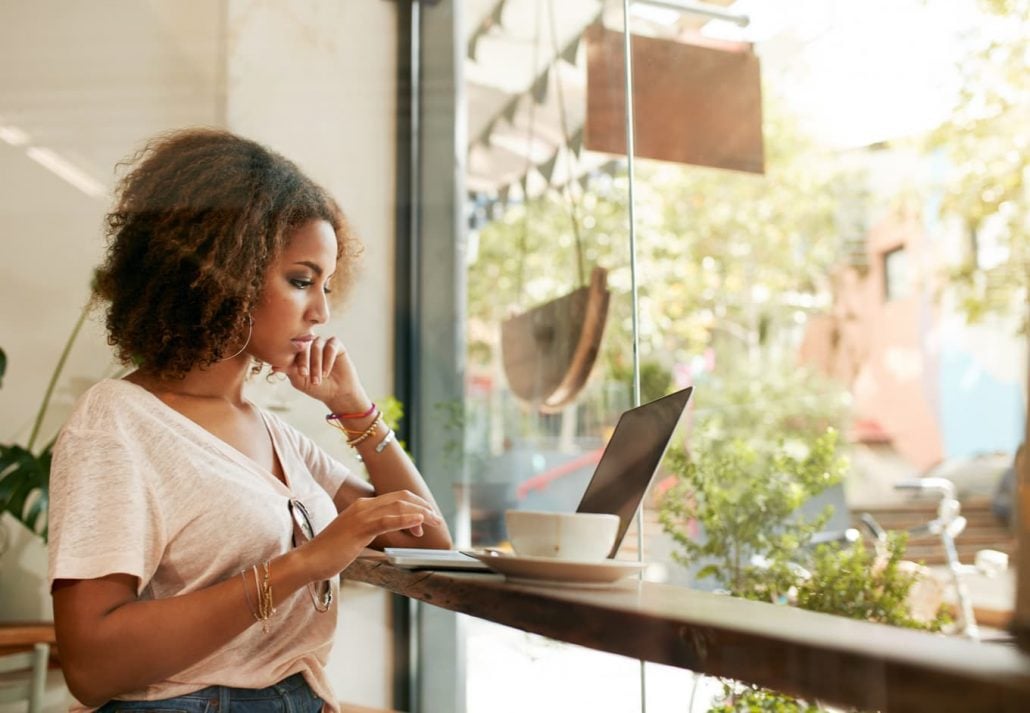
{"type": "Point", "coordinates": [266, 607]}
{"type": "Point", "coordinates": [355, 438]}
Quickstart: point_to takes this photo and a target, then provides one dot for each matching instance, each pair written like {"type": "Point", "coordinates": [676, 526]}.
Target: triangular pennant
{"type": "Point", "coordinates": [502, 195]}
{"type": "Point", "coordinates": [510, 109]}
{"type": "Point", "coordinates": [470, 53]}
{"type": "Point", "coordinates": [540, 88]}
{"type": "Point", "coordinates": [524, 185]}
{"type": "Point", "coordinates": [576, 142]}
{"type": "Point", "coordinates": [547, 167]}
{"type": "Point", "coordinates": [569, 53]}
{"type": "Point", "coordinates": [497, 14]}
{"type": "Point", "coordinates": [584, 181]}
{"type": "Point", "coordinates": [488, 132]}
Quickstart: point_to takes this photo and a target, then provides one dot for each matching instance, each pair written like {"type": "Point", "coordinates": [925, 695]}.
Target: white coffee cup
{"type": "Point", "coordinates": [580, 536]}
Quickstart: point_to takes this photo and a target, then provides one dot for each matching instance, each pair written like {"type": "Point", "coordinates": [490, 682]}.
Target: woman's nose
{"type": "Point", "coordinates": [318, 311]}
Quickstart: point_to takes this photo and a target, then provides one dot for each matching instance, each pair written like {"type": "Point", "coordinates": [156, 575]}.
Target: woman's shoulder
{"type": "Point", "coordinates": [107, 402]}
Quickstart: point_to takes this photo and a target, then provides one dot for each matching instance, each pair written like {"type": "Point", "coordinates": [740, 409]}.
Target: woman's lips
{"type": "Point", "coordinates": [301, 343]}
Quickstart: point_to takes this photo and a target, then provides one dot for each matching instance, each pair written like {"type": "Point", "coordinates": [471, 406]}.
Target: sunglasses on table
{"type": "Point", "coordinates": [321, 592]}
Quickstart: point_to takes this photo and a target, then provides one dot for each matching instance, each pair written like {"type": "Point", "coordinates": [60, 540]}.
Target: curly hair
{"type": "Point", "coordinates": [197, 221]}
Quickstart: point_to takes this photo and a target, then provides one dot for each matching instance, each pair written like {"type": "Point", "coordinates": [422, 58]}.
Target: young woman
{"type": "Point", "coordinates": [196, 539]}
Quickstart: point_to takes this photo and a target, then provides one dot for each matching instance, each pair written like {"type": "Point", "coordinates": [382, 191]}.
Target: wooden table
{"type": "Point", "coordinates": [837, 660]}
{"type": "Point", "coordinates": [17, 636]}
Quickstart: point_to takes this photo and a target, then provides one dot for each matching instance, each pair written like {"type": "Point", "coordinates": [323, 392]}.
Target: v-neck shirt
{"type": "Point", "coordinates": [138, 488]}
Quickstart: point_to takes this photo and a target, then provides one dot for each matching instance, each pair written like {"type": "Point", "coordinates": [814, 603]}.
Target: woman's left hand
{"type": "Point", "coordinates": [324, 371]}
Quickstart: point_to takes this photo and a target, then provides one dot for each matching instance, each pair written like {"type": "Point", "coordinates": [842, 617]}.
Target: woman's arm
{"type": "Point", "coordinates": [111, 642]}
{"type": "Point", "coordinates": [391, 470]}
{"type": "Point", "coordinates": [325, 372]}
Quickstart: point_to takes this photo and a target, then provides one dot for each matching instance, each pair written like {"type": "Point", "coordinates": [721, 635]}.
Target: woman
{"type": "Point", "coordinates": [182, 561]}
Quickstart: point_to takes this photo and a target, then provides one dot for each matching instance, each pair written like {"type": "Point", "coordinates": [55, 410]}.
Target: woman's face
{"type": "Point", "coordinates": [295, 296]}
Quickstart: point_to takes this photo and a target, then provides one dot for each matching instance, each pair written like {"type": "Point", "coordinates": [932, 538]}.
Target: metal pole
{"type": "Point", "coordinates": [627, 51]}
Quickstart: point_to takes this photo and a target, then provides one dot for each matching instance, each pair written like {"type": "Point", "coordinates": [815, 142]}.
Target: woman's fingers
{"type": "Point", "coordinates": [315, 363]}
{"type": "Point", "coordinates": [399, 510]}
{"type": "Point", "coordinates": [363, 521]}
{"type": "Point", "coordinates": [329, 353]}
{"type": "Point", "coordinates": [314, 366]}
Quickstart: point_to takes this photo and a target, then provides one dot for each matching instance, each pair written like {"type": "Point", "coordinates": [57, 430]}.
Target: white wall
{"type": "Point", "coordinates": [313, 78]}
{"type": "Point", "coordinates": [316, 80]}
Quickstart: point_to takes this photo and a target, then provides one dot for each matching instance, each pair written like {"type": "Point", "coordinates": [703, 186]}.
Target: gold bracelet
{"type": "Point", "coordinates": [246, 595]}
{"type": "Point", "coordinates": [261, 612]}
{"type": "Point", "coordinates": [267, 605]}
{"type": "Point", "coordinates": [353, 443]}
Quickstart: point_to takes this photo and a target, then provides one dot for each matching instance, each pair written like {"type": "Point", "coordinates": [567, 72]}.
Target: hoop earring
{"type": "Point", "coordinates": [250, 333]}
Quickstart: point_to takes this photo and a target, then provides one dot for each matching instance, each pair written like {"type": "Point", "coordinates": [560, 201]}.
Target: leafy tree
{"type": "Point", "coordinates": [764, 443]}
{"type": "Point", "coordinates": [987, 144]}
{"type": "Point", "coordinates": [745, 502]}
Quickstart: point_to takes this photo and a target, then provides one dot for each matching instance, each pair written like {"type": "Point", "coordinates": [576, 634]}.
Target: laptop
{"type": "Point", "coordinates": [618, 485]}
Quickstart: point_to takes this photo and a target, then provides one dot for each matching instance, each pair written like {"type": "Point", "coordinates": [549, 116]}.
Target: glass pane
{"type": "Point", "coordinates": [829, 296]}
{"type": "Point", "coordinates": [548, 358]}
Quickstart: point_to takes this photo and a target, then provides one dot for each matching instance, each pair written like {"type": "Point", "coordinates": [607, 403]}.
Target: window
{"type": "Point", "coordinates": [896, 278]}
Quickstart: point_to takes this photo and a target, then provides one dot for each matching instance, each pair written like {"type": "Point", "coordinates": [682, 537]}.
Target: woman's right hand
{"type": "Point", "coordinates": [362, 521]}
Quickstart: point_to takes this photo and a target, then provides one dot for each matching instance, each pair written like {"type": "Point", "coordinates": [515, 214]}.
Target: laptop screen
{"type": "Point", "coordinates": [631, 459]}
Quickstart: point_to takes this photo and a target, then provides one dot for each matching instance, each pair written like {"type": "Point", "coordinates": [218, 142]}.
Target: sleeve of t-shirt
{"type": "Point", "coordinates": [103, 517]}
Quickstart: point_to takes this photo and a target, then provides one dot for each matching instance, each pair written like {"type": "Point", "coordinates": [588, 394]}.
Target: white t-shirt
{"type": "Point", "coordinates": [140, 489]}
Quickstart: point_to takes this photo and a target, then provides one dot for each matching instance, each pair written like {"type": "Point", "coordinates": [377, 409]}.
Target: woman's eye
{"type": "Point", "coordinates": [301, 284]}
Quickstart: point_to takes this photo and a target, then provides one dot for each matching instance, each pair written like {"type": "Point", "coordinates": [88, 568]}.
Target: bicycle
{"type": "Point", "coordinates": [928, 592]}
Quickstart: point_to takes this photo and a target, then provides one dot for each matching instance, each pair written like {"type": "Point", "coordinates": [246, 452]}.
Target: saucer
{"type": "Point", "coordinates": [557, 571]}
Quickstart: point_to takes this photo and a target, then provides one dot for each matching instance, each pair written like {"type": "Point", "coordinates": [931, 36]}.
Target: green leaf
{"type": "Point", "coordinates": [24, 484]}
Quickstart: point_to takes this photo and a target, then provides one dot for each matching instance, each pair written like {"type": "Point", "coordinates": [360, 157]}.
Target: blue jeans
{"type": "Point", "coordinates": [290, 695]}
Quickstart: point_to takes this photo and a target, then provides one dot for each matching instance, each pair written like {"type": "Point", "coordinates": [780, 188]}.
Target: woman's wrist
{"type": "Point", "coordinates": [352, 406]}
{"type": "Point", "coordinates": [293, 570]}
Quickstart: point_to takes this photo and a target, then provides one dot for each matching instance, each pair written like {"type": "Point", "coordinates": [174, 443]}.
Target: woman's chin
{"type": "Point", "coordinates": [276, 362]}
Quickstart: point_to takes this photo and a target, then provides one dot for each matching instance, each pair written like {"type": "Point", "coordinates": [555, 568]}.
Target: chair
{"type": "Point", "coordinates": [23, 677]}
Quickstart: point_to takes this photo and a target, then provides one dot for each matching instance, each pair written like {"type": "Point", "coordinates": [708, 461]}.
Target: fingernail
{"type": "Point", "coordinates": [317, 379]}
{"type": "Point", "coordinates": [303, 371]}
{"type": "Point", "coordinates": [417, 531]}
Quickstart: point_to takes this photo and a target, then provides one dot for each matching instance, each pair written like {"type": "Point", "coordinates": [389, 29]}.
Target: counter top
{"type": "Point", "coordinates": [838, 660]}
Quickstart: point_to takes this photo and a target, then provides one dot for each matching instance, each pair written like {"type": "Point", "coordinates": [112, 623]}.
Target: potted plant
{"type": "Point", "coordinates": [25, 470]}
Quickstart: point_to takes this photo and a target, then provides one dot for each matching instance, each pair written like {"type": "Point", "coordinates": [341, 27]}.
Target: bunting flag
{"type": "Point", "coordinates": [523, 184]}
{"type": "Point", "coordinates": [510, 108]}
{"type": "Point", "coordinates": [576, 142]}
{"type": "Point", "coordinates": [546, 169]}
{"type": "Point", "coordinates": [488, 132]}
{"type": "Point", "coordinates": [495, 16]}
{"type": "Point", "coordinates": [489, 22]}
{"type": "Point", "coordinates": [540, 87]}
{"type": "Point", "coordinates": [569, 53]}
{"type": "Point", "coordinates": [502, 195]}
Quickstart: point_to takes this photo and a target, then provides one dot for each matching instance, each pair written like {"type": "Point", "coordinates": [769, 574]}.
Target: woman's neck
{"type": "Point", "coordinates": [223, 380]}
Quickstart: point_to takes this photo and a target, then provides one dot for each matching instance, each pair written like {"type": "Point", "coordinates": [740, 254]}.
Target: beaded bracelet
{"type": "Point", "coordinates": [359, 438]}
{"type": "Point", "coordinates": [351, 416]}
{"type": "Point", "coordinates": [266, 605]}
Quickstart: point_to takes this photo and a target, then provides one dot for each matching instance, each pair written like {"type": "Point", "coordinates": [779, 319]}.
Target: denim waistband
{"type": "Point", "coordinates": [290, 695]}
{"type": "Point", "coordinates": [277, 690]}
